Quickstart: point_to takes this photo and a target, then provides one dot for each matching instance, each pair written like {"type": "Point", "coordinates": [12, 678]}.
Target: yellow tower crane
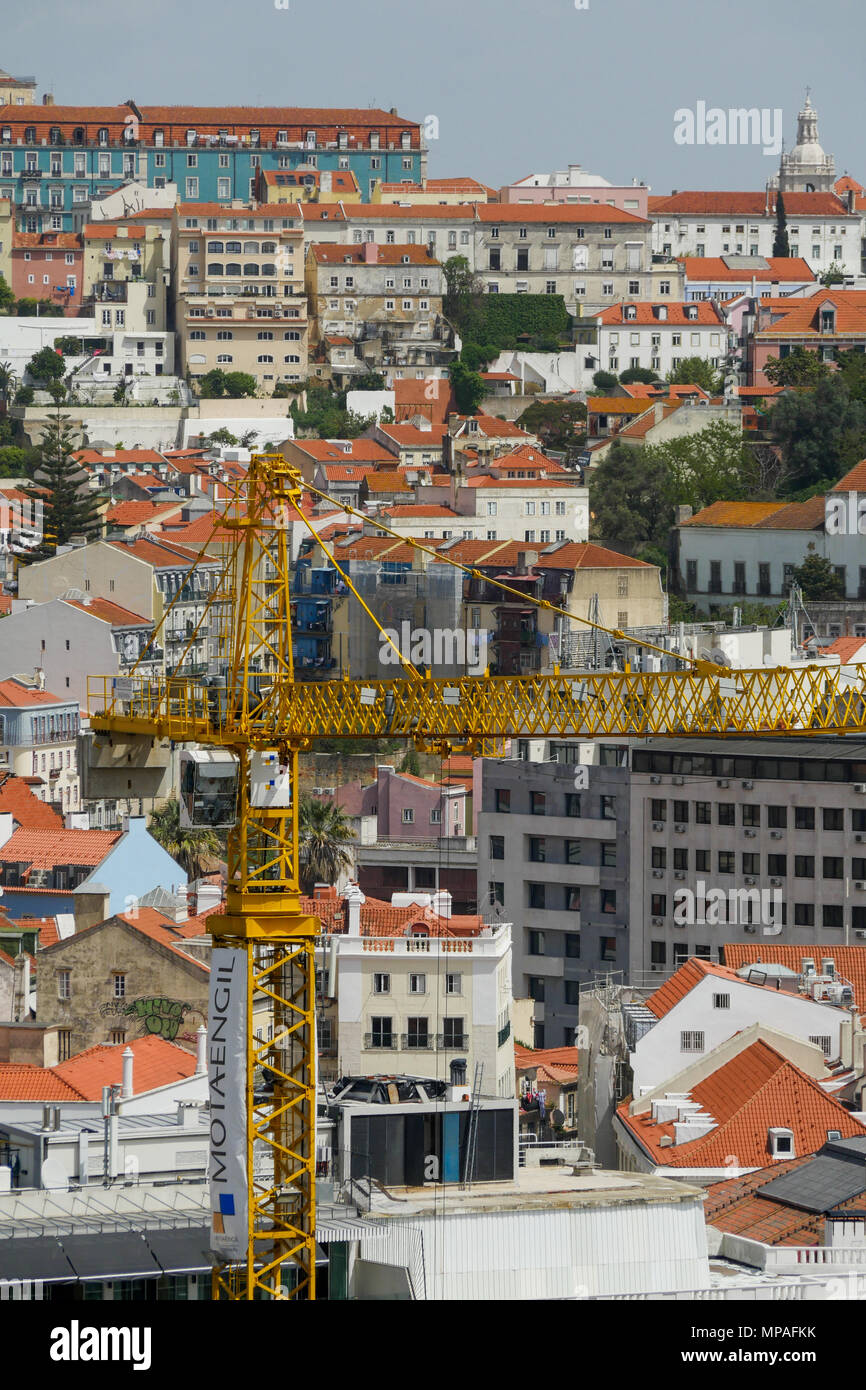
{"type": "Point", "coordinates": [265, 718]}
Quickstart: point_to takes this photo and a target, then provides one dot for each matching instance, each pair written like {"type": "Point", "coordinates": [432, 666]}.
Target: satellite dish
{"type": "Point", "coordinates": [557, 1117]}
{"type": "Point", "coordinates": [54, 1174]}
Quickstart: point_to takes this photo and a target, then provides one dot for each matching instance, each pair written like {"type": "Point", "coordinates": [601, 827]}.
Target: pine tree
{"type": "Point", "coordinates": [70, 508]}
{"type": "Point", "coordinates": [780, 242]}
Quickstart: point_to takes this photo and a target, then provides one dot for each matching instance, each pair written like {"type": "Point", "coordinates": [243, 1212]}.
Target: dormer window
{"type": "Point", "coordinates": [406, 140]}
{"type": "Point", "coordinates": [102, 135]}
{"type": "Point", "coordinates": [30, 135]}
{"type": "Point", "coordinates": [190, 137]}
{"type": "Point", "coordinates": [342, 139]}
{"type": "Point", "coordinates": [781, 1143]}
{"type": "Point", "coordinates": [828, 320]}
{"type": "Point", "coordinates": [692, 311]}
{"type": "Point", "coordinates": [405, 259]}
{"type": "Point", "coordinates": [629, 311]}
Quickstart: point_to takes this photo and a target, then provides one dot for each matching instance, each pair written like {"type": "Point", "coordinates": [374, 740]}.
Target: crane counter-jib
{"type": "Point", "coordinates": [692, 703]}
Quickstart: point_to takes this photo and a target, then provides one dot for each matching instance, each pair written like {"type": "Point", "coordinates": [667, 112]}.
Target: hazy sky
{"type": "Point", "coordinates": [518, 87]}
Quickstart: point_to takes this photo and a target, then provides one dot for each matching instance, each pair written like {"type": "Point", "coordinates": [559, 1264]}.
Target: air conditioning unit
{"type": "Point", "coordinates": [722, 782]}
{"type": "Point", "coordinates": [749, 880]}
{"type": "Point", "coordinates": [750, 834]}
{"type": "Point", "coordinates": [747, 786]}
{"type": "Point", "coordinates": [860, 839]}
{"type": "Point", "coordinates": [860, 787]}
{"type": "Point", "coordinates": [860, 934]}
{"type": "Point", "coordinates": [678, 781]}
{"type": "Point", "coordinates": [655, 779]}
{"type": "Point", "coordinates": [658, 921]}
{"type": "Point", "coordinates": [860, 884]}
{"type": "Point", "coordinates": [679, 874]}
{"type": "Point", "coordinates": [775, 882]}
{"type": "Point", "coordinates": [658, 873]}
{"type": "Point", "coordinates": [750, 928]}
{"type": "Point", "coordinates": [775, 834]}
{"type": "Point", "coordinates": [680, 829]}
{"type": "Point", "coordinates": [658, 825]}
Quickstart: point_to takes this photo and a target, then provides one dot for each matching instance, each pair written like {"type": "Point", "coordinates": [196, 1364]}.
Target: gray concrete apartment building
{"type": "Point", "coordinates": [593, 879]}
{"type": "Point", "coordinates": [554, 853]}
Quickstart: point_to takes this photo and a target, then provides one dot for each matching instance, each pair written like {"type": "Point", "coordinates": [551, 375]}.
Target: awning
{"type": "Point", "coordinates": [35, 1257]}
{"type": "Point", "coordinates": [184, 1251]}
{"type": "Point", "coordinates": [110, 1255]}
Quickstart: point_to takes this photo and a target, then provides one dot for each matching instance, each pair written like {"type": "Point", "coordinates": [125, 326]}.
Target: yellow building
{"type": "Point", "coordinates": [17, 91]}
{"type": "Point", "coordinates": [238, 282]}
{"type": "Point", "coordinates": [307, 185]}
{"type": "Point", "coordinates": [127, 265]}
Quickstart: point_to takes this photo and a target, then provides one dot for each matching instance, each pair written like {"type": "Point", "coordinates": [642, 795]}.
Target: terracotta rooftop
{"type": "Point", "coordinates": [779, 268]}
{"type": "Point", "coordinates": [720, 204]}
{"type": "Point", "coordinates": [755, 1091]}
{"type": "Point", "coordinates": [27, 810]}
{"type": "Point", "coordinates": [678, 315]}
{"type": "Point", "coordinates": [682, 982]}
{"type": "Point", "coordinates": [108, 612]}
{"type": "Point", "coordinates": [850, 961]}
{"type": "Point", "coordinates": [45, 849]}
{"type": "Point", "coordinates": [14, 695]}
{"type": "Point", "coordinates": [854, 480]}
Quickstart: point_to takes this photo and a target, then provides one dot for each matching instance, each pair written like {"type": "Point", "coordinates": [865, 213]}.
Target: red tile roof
{"type": "Point", "coordinates": [802, 317]}
{"type": "Point", "coordinates": [14, 695]}
{"type": "Point", "coordinates": [850, 961]}
{"type": "Point", "coordinates": [120, 456]}
{"type": "Point", "coordinates": [846, 648]}
{"type": "Point", "coordinates": [779, 268]}
{"type": "Point", "coordinates": [777, 516]}
{"type": "Point", "coordinates": [676, 316]}
{"type": "Point", "coordinates": [164, 555]}
{"type": "Point", "coordinates": [44, 849]}
{"type": "Point", "coordinates": [382, 919]}
{"type": "Point", "coordinates": [854, 480]}
{"type": "Point", "coordinates": [156, 1063]}
{"type": "Point", "coordinates": [410, 436]}
{"type": "Point", "coordinates": [420, 509]}
{"type": "Point", "coordinates": [755, 1091]}
{"type": "Point", "coordinates": [27, 810]}
{"type": "Point", "coordinates": [24, 1081]}
{"type": "Point", "coordinates": [109, 612]}
{"type": "Point", "coordinates": [134, 513]}
{"type": "Point", "coordinates": [64, 241]}
{"type": "Point", "coordinates": [738, 1207]}
{"type": "Point", "coordinates": [750, 204]}
{"type": "Point", "coordinates": [682, 982]}
{"type": "Point", "coordinates": [326, 253]}
{"type": "Point", "coordinates": [563, 1058]}
{"type": "Point", "coordinates": [362, 451]}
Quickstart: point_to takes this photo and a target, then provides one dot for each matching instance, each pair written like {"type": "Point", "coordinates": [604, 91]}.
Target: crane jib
{"type": "Point", "coordinates": [786, 701]}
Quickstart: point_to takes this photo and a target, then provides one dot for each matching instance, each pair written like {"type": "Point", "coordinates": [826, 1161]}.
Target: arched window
{"type": "Point", "coordinates": [252, 248]}
{"type": "Point", "coordinates": [215, 248]}
{"type": "Point", "coordinates": [250, 268]}
{"type": "Point", "coordinates": [224, 357]}
{"type": "Point", "coordinates": [78, 135]}
{"type": "Point", "coordinates": [269, 268]}
{"type": "Point", "coordinates": [102, 135]}
{"type": "Point", "coordinates": [233, 248]}
{"type": "Point", "coordinates": [264, 336]}
{"type": "Point", "coordinates": [214, 268]}
{"type": "Point", "coordinates": [225, 334]}
{"type": "Point", "coordinates": [233, 268]}
{"type": "Point", "coordinates": [264, 358]}
{"type": "Point", "coordinates": [268, 248]}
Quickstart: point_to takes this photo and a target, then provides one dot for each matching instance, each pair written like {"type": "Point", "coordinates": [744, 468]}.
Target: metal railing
{"type": "Point", "coordinates": [448, 1042]}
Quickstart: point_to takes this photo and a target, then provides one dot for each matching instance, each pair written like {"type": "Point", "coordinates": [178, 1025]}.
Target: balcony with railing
{"type": "Point", "coordinates": [452, 1042]}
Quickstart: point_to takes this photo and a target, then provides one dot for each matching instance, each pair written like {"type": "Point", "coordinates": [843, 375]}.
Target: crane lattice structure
{"type": "Point", "coordinates": [260, 706]}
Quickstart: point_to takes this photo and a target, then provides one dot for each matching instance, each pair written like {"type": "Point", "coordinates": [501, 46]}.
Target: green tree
{"type": "Point", "coordinates": [212, 384]}
{"type": "Point", "coordinates": [559, 425]}
{"type": "Point", "coordinates": [196, 851]}
{"type": "Point", "coordinates": [801, 367]}
{"type": "Point", "coordinates": [239, 384]}
{"type": "Point", "coordinates": [469, 387]}
{"type": "Point", "coordinates": [696, 371]}
{"type": "Point", "coordinates": [477, 357]}
{"type": "Point", "coordinates": [222, 436]}
{"type": "Point", "coordinates": [642, 374]}
{"type": "Point", "coordinates": [780, 240]}
{"type": "Point", "coordinates": [369, 381]}
{"type": "Point", "coordinates": [817, 578]}
{"type": "Point", "coordinates": [7, 379]}
{"type": "Point", "coordinates": [324, 834]}
{"type": "Point", "coordinates": [833, 275]}
{"type": "Point", "coordinates": [7, 298]}
{"type": "Point", "coordinates": [464, 291]}
{"type": "Point", "coordinates": [16, 462]}
{"type": "Point", "coordinates": [46, 365]}
{"type": "Point", "coordinates": [713, 465]}
{"type": "Point", "coordinates": [70, 507]}
{"type": "Point", "coordinates": [851, 367]}
{"type": "Point", "coordinates": [822, 434]}
{"type": "Point", "coordinates": [629, 499]}
{"type": "Point", "coordinates": [605, 381]}
{"type": "Point", "coordinates": [24, 396]}
{"type": "Point", "coordinates": [410, 762]}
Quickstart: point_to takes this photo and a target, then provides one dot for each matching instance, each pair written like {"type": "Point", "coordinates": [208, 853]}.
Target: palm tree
{"type": "Point", "coordinates": [7, 380]}
{"type": "Point", "coordinates": [196, 851]}
{"type": "Point", "coordinates": [324, 833]}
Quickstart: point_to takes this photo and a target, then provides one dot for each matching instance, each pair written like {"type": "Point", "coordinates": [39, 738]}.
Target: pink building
{"type": "Point", "coordinates": [576, 185]}
{"type": "Point", "coordinates": [48, 265]}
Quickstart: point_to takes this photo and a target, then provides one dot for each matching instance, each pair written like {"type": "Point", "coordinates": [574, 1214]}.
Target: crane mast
{"type": "Point", "coordinates": [258, 711]}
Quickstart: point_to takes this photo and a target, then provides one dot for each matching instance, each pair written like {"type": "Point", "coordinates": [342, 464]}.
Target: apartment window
{"type": "Point", "coordinates": [725, 814]}
{"type": "Point", "coordinates": [777, 865]}
{"type": "Point", "coordinates": [536, 895]}
{"type": "Point", "coordinates": [721, 1001]}
{"type": "Point", "coordinates": [727, 861]}
{"type": "Point", "coordinates": [497, 846]}
{"type": "Point", "coordinates": [751, 864]}
{"type": "Point", "coordinates": [659, 857]}
{"type": "Point", "coordinates": [777, 817]}
{"type": "Point", "coordinates": [681, 812]}
{"type": "Point", "coordinates": [496, 892]}
{"type": "Point", "coordinates": [702, 860]}
{"type": "Point", "coordinates": [832, 915]}
{"type": "Point", "coordinates": [833, 867]}
{"type": "Point", "coordinates": [417, 1032]}
{"type": "Point", "coordinates": [607, 900]}
{"type": "Point", "coordinates": [538, 849]}
{"type": "Point", "coordinates": [804, 914]}
{"type": "Point", "coordinates": [192, 188]}
{"type": "Point", "coordinates": [119, 986]}
{"type": "Point", "coordinates": [608, 808]}
{"type": "Point", "coordinates": [382, 1034]}
{"type": "Point", "coordinates": [607, 947]}
{"type": "Point", "coordinates": [453, 984]}
{"type": "Point", "coordinates": [64, 1045]}
{"type": "Point", "coordinates": [573, 851]}
{"type": "Point", "coordinates": [417, 984]}
{"type": "Point", "coordinates": [536, 991]}
{"type": "Point", "coordinates": [833, 818]}
{"type": "Point", "coordinates": [537, 803]}
{"type": "Point", "coordinates": [64, 984]}
{"type": "Point", "coordinates": [751, 815]}
{"type": "Point", "coordinates": [608, 854]}
{"type": "Point", "coordinates": [503, 799]}
{"type": "Point", "coordinates": [536, 943]}
{"type": "Point", "coordinates": [804, 866]}
{"type": "Point", "coordinates": [381, 984]}
{"type": "Point", "coordinates": [572, 803]}
{"type": "Point", "coordinates": [408, 815]}
{"type": "Point", "coordinates": [691, 1041]}
{"type": "Point", "coordinates": [658, 809]}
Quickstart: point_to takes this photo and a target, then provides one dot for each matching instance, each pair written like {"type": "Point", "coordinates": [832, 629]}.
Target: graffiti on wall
{"type": "Point", "coordinates": [156, 1015]}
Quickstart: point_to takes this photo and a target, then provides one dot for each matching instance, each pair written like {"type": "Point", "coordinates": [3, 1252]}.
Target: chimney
{"type": "Point", "coordinates": [371, 253]}
{"type": "Point", "coordinates": [353, 898]}
{"type": "Point", "coordinates": [48, 99]}
{"type": "Point", "coordinates": [201, 1050]}
{"type": "Point", "coordinates": [40, 678]}
{"type": "Point", "coordinates": [208, 895]}
{"type": "Point", "coordinates": [440, 903]}
{"type": "Point", "coordinates": [128, 1062]}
